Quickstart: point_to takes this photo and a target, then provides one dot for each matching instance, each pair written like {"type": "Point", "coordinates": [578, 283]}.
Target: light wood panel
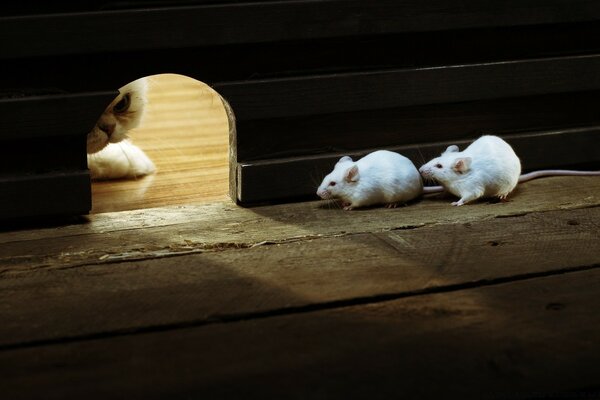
{"type": "Point", "coordinates": [185, 133]}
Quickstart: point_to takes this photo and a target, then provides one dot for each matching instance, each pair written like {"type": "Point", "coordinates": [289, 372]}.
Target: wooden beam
{"type": "Point", "coordinates": [226, 24]}
{"type": "Point", "coordinates": [256, 61]}
{"type": "Point", "coordinates": [44, 116]}
{"type": "Point", "coordinates": [359, 91]}
{"type": "Point", "coordinates": [297, 178]}
{"type": "Point", "coordinates": [44, 194]}
{"type": "Point", "coordinates": [420, 125]}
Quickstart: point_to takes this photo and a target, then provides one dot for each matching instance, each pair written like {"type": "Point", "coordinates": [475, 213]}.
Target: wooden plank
{"type": "Point", "coordinates": [296, 178]}
{"type": "Point", "coordinates": [41, 155]}
{"type": "Point", "coordinates": [44, 116]}
{"type": "Point", "coordinates": [408, 87]}
{"type": "Point", "coordinates": [66, 6]}
{"type": "Point", "coordinates": [359, 130]}
{"type": "Point", "coordinates": [214, 64]}
{"type": "Point", "coordinates": [43, 165]}
{"type": "Point", "coordinates": [225, 24]}
{"type": "Point", "coordinates": [239, 283]}
{"type": "Point", "coordinates": [144, 234]}
{"type": "Point", "coordinates": [50, 194]}
{"type": "Point", "coordinates": [526, 339]}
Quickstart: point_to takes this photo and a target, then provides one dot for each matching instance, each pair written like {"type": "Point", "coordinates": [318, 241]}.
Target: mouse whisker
{"type": "Point", "coordinates": [423, 160]}
{"type": "Point", "coordinates": [333, 203]}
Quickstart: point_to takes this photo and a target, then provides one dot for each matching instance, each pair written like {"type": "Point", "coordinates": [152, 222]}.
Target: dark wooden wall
{"type": "Point", "coordinates": [308, 81]}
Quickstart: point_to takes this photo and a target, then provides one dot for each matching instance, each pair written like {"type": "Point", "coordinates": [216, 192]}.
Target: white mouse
{"type": "Point", "coordinates": [487, 168]}
{"type": "Point", "coordinates": [381, 177]}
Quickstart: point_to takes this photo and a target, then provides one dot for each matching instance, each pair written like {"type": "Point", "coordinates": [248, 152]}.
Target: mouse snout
{"type": "Point", "coordinates": [425, 171]}
{"type": "Point", "coordinates": [324, 193]}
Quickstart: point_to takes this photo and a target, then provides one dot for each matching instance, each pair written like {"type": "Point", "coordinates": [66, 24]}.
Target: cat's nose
{"type": "Point", "coordinates": [107, 128]}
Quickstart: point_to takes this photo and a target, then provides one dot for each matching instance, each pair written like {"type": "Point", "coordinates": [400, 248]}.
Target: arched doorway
{"type": "Point", "coordinates": [185, 132]}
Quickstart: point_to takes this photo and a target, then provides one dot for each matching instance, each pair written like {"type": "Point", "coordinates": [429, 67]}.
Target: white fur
{"type": "Point", "coordinates": [98, 138]}
{"type": "Point", "coordinates": [381, 177]}
{"type": "Point", "coordinates": [491, 169]}
{"type": "Point", "coordinates": [120, 160]}
{"type": "Point", "coordinates": [110, 156]}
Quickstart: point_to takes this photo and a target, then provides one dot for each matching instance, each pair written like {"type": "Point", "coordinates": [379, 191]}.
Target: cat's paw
{"type": "Point", "coordinates": [122, 160]}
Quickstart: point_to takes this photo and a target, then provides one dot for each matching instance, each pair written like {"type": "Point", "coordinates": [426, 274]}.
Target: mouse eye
{"type": "Point", "coordinates": [331, 183]}
{"type": "Point", "coordinates": [438, 165]}
{"type": "Point", "coordinates": [123, 104]}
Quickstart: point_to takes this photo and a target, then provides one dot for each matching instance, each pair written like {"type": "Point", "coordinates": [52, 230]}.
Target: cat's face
{"type": "Point", "coordinates": [122, 115]}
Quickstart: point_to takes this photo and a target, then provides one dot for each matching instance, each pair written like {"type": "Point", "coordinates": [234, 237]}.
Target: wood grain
{"type": "Point", "coordinates": [232, 282]}
{"type": "Point", "coordinates": [163, 232]}
{"type": "Point", "coordinates": [535, 336]}
{"type": "Point", "coordinates": [185, 133]}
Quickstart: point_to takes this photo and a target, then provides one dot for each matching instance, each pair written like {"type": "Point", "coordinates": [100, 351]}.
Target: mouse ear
{"type": "Point", "coordinates": [451, 149]}
{"type": "Point", "coordinates": [351, 174]}
{"type": "Point", "coordinates": [344, 159]}
{"type": "Point", "coordinates": [462, 164]}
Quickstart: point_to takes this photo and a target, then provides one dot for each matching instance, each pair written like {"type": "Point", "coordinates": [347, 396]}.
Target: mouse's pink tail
{"type": "Point", "coordinates": [555, 172]}
{"type": "Point", "coordinates": [432, 189]}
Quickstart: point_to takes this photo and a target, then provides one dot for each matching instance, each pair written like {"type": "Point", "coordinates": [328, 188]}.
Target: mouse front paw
{"type": "Point", "coordinates": [458, 203]}
{"type": "Point", "coordinates": [347, 206]}
{"type": "Point", "coordinates": [504, 198]}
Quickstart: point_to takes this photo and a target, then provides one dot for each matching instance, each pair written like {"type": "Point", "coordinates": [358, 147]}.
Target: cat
{"type": "Point", "coordinates": [111, 155]}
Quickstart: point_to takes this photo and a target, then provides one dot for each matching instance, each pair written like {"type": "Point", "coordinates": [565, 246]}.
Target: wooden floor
{"type": "Point", "coordinates": [306, 301]}
{"type": "Point", "coordinates": [185, 133]}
